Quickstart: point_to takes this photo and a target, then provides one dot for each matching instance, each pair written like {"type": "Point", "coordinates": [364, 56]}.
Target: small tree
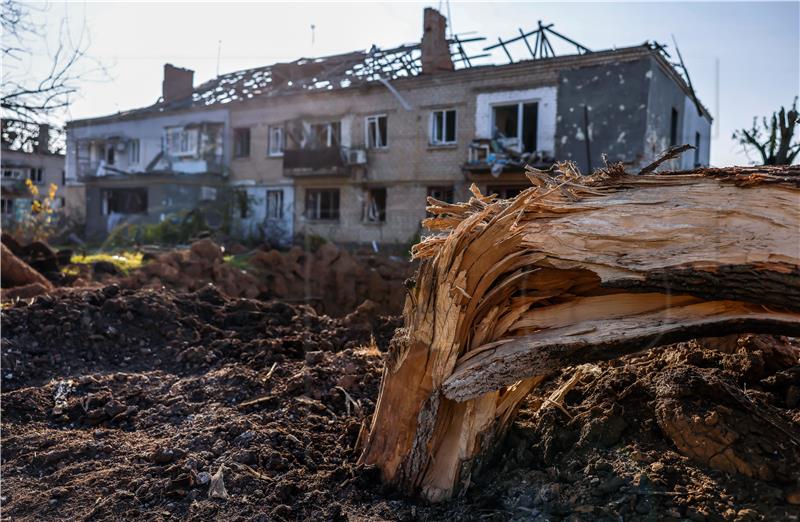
{"type": "Point", "coordinates": [773, 140]}
{"type": "Point", "coordinates": [41, 220]}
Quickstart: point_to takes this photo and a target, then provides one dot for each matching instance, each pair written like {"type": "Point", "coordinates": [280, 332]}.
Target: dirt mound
{"type": "Point", "coordinates": [684, 432]}
{"type": "Point", "coordinates": [138, 405]}
{"type": "Point", "coordinates": [330, 279]}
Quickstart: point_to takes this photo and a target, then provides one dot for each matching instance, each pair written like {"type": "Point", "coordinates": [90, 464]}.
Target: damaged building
{"type": "Point", "coordinates": [35, 152]}
{"type": "Point", "coordinates": [348, 147]}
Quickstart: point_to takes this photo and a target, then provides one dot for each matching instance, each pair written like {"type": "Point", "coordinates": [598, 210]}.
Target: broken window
{"type": "Point", "coordinates": [673, 128]}
{"type": "Point", "coordinates": [445, 193]}
{"type": "Point", "coordinates": [442, 193]}
{"type": "Point", "coordinates": [275, 147]}
{"type": "Point", "coordinates": [322, 204]}
{"type": "Point", "coordinates": [133, 152]}
{"type": "Point", "coordinates": [443, 127]}
{"type": "Point", "coordinates": [241, 142]}
{"type": "Point", "coordinates": [515, 125]}
{"type": "Point", "coordinates": [36, 176]}
{"type": "Point", "coordinates": [376, 127]}
{"type": "Point", "coordinates": [326, 134]}
{"type": "Point", "coordinates": [504, 192]}
{"type": "Point", "coordinates": [180, 141]}
{"type": "Point", "coordinates": [243, 204]}
{"type": "Point", "coordinates": [125, 201]}
{"type": "Point", "coordinates": [696, 149]}
{"type": "Point", "coordinates": [6, 206]}
{"type": "Point", "coordinates": [274, 204]}
{"type": "Point", "coordinates": [111, 154]}
{"type": "Point", "coordinates": [375, 205]}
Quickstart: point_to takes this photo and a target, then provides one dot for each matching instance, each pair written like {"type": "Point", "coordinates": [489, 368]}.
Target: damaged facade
{"type": "Point", "coordinates": [348, 147]}
{"type": "Point", "coordinates": [34, 152]}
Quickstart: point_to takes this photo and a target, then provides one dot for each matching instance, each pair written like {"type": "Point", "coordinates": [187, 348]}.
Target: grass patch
{"type": "Point", "coordinates": [240, 261]}
{"type": "Point", "coordinates": [125, 261]}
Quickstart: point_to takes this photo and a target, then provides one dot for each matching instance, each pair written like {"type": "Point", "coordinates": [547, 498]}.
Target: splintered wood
{"type": "Point", "coordinates": [573, 270]}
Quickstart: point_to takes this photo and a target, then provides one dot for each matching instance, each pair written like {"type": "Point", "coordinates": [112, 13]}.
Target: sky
{"type": "Point", "coordinates": [743, 57]}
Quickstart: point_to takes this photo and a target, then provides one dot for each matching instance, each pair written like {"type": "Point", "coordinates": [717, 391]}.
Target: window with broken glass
{"type": "Point", "coordinates": [375, 205]}
{"type": "Point", "coordinates": [443, 127]}
{"type": "Point", "coordinates": [274, 204]}
{"type": "Point", "coordinates": [180, 141]}
{"type": "Point", "coordinates": [326, 135]}
{"type": "Point", "coordinates": [322, 204]}
{"type": "Point", "coordinates": [275, 146]}
{"type": "Point", "coordinates": [376, 128]}
{"type": "Point", "coordinates": [6, 206]}
{"type": "Point", "coordinates": [241, 142]}
{"type": "Point", "coordinates": [125, 201]}
{"type": "Point", "coordinates": [515, 125]}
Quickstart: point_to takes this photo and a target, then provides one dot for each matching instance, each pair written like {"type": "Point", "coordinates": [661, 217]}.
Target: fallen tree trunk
{"type": "Point", "coordinates": [573, 270]}
{"type": "Point", "coordinates": [16, 272]}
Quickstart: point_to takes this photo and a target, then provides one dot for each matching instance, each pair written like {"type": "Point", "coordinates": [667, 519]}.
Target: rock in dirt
{"type": "Point", "coordinates": [216, 487]}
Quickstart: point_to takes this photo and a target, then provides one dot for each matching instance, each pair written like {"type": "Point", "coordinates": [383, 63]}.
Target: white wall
{"type": "Point", "coordinates": [546, 98]}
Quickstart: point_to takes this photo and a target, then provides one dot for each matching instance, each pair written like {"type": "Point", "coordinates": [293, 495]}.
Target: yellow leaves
{"type": "Point", "coordinates": [32, 189]}
{"type": "Point", "coordinates": [51, 194]}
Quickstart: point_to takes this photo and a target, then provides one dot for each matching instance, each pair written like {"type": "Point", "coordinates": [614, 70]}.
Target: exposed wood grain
{"type": "Point", "coordinates": [574, 269]}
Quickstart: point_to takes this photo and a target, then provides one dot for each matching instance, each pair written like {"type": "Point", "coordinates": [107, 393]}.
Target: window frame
{"type": "Point", "coordinates": [271, 151]}
{"type": "Point", "coordinates": [368, 199]}
{"type": "Point", "coordinates": [6, 206]}
{"type": "Point", "coordinates": [186, 140]}
{"type": "Point", "coordinates": [241, 148]}
{"type": "Point", "coordinates": [434, 128]}
{"type": "Point", "coordinates": [269, 210]}
{"type": "Point", "coordinates": [134, 152]}
{"type": "Point", "coordinates": [375, 118]}
{"type": "Point", "coordinates": [317, 215]}
{"type": "Point", "coordinates": [674, 123]}
{"type": "Point", "coordinates": [38, 179]}
{"type": "Point", "coordinates": [520, 148]}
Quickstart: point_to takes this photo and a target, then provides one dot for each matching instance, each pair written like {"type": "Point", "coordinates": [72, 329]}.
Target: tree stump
{"type": "Point", "coordinates": [574, 269]}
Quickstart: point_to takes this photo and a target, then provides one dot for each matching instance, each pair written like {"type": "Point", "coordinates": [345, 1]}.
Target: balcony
{"type": "Point", "coordinates": [500, 156]}
{"type": "Point", "coordinates": [325, 161]}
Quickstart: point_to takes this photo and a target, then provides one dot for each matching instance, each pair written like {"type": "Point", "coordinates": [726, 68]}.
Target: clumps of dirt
{"type": "Point", "coordinates": [126, 405]}
{"type": "Point", "coordinates": [152, 405]}
{"type": "Point", "coordinates": [330, 279]}
{"type": "Point", "coordinates": [683, 432]}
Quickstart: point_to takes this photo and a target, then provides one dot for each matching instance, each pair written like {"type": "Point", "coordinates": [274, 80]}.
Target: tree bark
{"type": "Point", "coordinates": [573, 270]}
{"type": "Point", "coordinates": [16, 272]}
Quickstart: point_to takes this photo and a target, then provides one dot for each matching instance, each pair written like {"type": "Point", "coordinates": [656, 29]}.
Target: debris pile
{"type": "Point", "coordinates": [330, 279]}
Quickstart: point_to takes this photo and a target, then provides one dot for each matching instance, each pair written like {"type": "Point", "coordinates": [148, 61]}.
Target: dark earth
{"type": "Point", "coordinates": [153, 405]}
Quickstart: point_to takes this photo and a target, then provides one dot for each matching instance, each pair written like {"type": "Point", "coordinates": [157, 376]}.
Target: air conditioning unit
{"type": "Point", "coordinates": [356, 157]}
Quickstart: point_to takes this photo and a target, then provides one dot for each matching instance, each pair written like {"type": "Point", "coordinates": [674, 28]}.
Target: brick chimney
{"type": "Point", "coordinates": [178, 83]}
{"type": "Point", "coordinates": [435, 50]}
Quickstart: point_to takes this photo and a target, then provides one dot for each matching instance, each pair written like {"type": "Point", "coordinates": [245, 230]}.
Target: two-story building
{"type": "Point", "coordinates": [348, 147]}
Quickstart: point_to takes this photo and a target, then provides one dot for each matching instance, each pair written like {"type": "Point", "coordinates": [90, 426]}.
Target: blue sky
{"type": "Point", "coordinates": [756, 44]}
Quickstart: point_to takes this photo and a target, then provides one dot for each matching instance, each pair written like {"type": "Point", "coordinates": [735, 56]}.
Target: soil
{"type": "Point", "coordinates": [154, 405]}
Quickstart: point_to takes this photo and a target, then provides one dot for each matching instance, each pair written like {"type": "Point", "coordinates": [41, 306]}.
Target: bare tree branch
{"type": "Point", "coordinates": [26, 97]}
